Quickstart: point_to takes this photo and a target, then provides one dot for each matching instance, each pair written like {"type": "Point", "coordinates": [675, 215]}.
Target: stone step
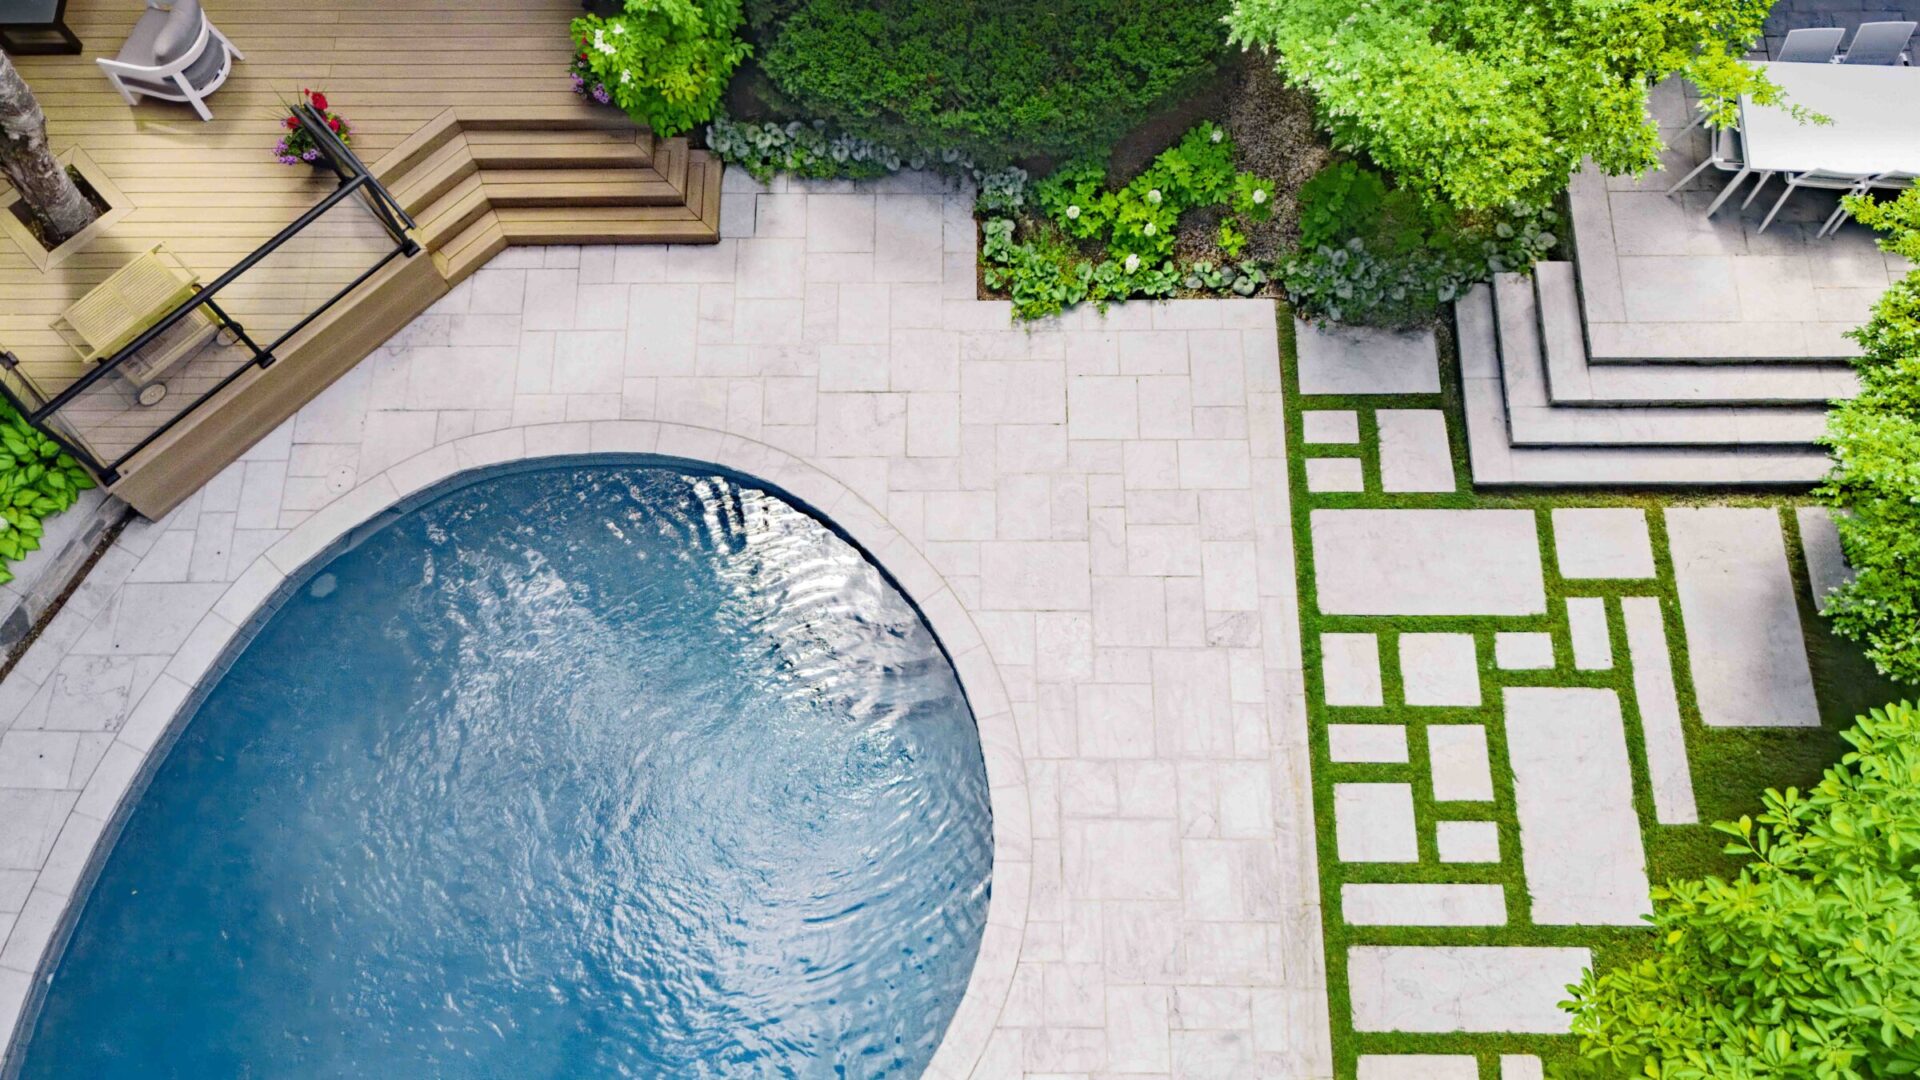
{"type": "Point", "coordinates": [1496, 462]}
{"type": "Point", "coordinates": [1573, 382]}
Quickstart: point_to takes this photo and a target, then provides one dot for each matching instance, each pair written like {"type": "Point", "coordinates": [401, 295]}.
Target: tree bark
{"type": "Point", "coordinates": [44, 186]}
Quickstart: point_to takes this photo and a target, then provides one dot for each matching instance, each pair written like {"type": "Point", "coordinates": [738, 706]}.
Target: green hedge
{"type": "Point", "coordinates": [997, 80]}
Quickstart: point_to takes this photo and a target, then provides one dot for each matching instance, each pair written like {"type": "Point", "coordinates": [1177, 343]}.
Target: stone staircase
{"type": "Point", "coordinates": [477, 180]}
{"type": "Point", "coordinates": [1541, 413]}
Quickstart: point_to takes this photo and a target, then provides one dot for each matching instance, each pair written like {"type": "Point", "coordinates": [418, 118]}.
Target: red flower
{"type": "Point", "coordinates": [319, 100]}
{"type": "Point", "coordinates": [293, 122]}
{"type": "Point", "coordinates": [333, 122]}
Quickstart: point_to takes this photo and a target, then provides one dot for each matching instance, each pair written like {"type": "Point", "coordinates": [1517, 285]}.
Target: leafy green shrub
{"type": "Point", "coordinates": [1875, 482]}
{"type": "Point", "coordinates": [666, 62]}
{"type": "Point", "coordinates": [815, 151]}
{"type": "Point", "coordinates": [998, 80]}
{"type": "Point", "coordinates": [1806, 965]}
{"type": "Point", "coordinates": [37, 480]}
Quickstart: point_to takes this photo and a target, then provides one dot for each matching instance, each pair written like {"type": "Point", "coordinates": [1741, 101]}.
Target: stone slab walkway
{"type": "Point", "coordinates": [1747, 653]}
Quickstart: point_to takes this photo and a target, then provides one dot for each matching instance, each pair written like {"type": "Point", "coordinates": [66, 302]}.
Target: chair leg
{"type": "Point", "coordinates": [1777, 204]}
{"type": "Point", "coordinates": [1687, 179]}
{"type": "Point", "coordinates": [237, 54]}
{"type": "Point", "coordinates": [1758, 184]}
{"type": "Point", "coordinates": [1833, 221]}
{"type": "Point", "coordinates": [193, 97]}
{"type": "Point", "coordinates": [1738, 179]}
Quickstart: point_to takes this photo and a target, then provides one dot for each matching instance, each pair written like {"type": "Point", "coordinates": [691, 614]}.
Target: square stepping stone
{"type": "Point", "coordinates": [1827, 567]}
{"type": "Point", "coordinates": [1330, 426]}
{"type": "Point", "coordinates": [1439, 669]}
{"type": "Point", "coordinates": [1521, 1067]}
{"type": "Point", "coordinates": [1374, 823]}
{"type": "Point", "coordinates": [1592, 645]}
{"type": "Point", "coordinates": [1427, 562]}
{"type": "Point", "coordinates": [1367, 744]}
{"type": "Point", "coordinates": [1458, 755]}
{"type": "Point", "coordinates": [1573, 794]}
{"type": "Point", "coordinates": [1364, 360]}
{"type": "Point", "coordinates": [1442, 989]}
{"type": "Point", "coordinates": [1467, 841]}
{"type": "Point", "coordinates": [1602, 543]}
{"type": "Point", "coordinates": [1350, 668]}
{"type": "Point", "coordinates": [1335, 474]}
{"type": "Point", "coordinates": [1424, 1066]}
{"type": "Point", "coordinates": [1414, 453]}
{"type": "Point", "coordinates": [1660, 726]}
{"type": "Point", "coordinates": [1422, 904]}
{"type": "Point", "coordinates": [1742, 619]}
{"type": "Point", "coordinates": [1525, 651]}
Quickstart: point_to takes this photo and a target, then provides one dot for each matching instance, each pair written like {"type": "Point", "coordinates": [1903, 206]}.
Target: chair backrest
{"type": "Point", "coordinates": [1895, 180]}
{"type": "Point", "coordinates": [180, 34]}
{"type": "Point", "coordinates": [1827, 178]}
{"type": "Point", "coordinates": [1813, 45]}
{"type": "Point", "coordinates": [1879, 43]}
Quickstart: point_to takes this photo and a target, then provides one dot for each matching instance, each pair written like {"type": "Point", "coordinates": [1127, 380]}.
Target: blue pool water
{"type": "Point", "coordinates": [604, 770]}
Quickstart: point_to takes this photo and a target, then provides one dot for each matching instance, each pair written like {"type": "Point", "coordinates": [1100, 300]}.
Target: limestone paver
{"type": "Point", "coordinates": [1439, 669]}
{"type": "Point", "coordinates": [1521, 1067]}
{"type": "Point", "coordinates": [1660, 727]}
{"type": "Point", "coordinates": [1330, 426]}
{"type": "Point", "coordinates": [1350, 667]}
{"type": "Point", "coordinates": [1592, 645]}
{"type": "Point", "coordinates": [1335, 474]}
{"type": "Point", "coordinates": [1361, 744]}
{"type": "Point", "coordinates": [1744, 643]}
{"type": "Point", "coordinates": [1458, 756]}
{"type": "Point", "coordinates": [1414, 453]}
{"type": "Point", "coordinates": [1467, 841]}
{"type": "Point", "coordinates": [1425, 1066]}
{"type": "Point", "coordinates": [1602, 543]}
{"type": "Point", "coordinates": [1485, 988]}
{"type": "Point", "coordinates": [1573, 793]}
{"type": "Point", "coordinates": [1427, 562]}
{"type": "Point", "coordinates": [1523, 650]}
{"type": "Point", "coordinates": [1421, 904]}
{"type": "Point", "coordinates": [1827, 567]}
{"type": "Point", "coordinates": [1374, 823]}
{"type": "Point", "coordinates": [1349, 360]}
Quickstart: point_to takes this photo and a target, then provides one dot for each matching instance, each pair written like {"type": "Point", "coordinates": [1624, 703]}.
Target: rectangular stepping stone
{"type": "Point", "coordinates": [1467, 841]}
{"type": "Point", "coordinates": [1526, 651]}
{"type": "Point", "coordinates": [1335, 474]}
{"type": "Point", "coordinates": [1423, 905]}
{"type": "Point", "coordinates": [1330, 426]}
{"type": "Point", "coordinates": [1350, 667]}
{"type": "Point", "coordinates": [1573, 793]}
{"type": "Point", "coordinates": [1660, 725]}
{"type": "Point", "coordinates": [1521, 1067]}
{"type": "Point", "coordinates": [1592, 645]}
{"type": "Point", "coordinates": [1458, 754]}
{"type": "Point", "coordinates": [1442, 989]}
{"type": "Point", "coordinates": [1374, 823]}
{"type": "Point", "coordinates": [1423, 1066]}
{"type": "Point", "coordinates": [1744, 647]}
{"type": "Point", "coordinates": [1602, 543]}
{"type": "Point", "coordinates": [1365, 360]}
{"type": "Point", "coordinates": [1439, 669]}
{"type": "Point", "coordinates": [1367, 744]}
{"type": "Point", "coordinates": [1827, 567]}
{"type": "Point", "coordinates": [1414, 454]}
{"type": "Point", "coordinates": [1427, 562]}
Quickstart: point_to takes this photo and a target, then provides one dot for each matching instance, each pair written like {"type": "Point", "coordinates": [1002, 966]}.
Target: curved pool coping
{"type": "Point", "coordinates": [172, 697]}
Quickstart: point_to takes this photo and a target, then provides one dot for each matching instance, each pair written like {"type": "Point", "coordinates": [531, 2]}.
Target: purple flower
{"type": "Point", "coordinates": [600, 93]}
{"type": "Point", "coordinates": [579, 84]}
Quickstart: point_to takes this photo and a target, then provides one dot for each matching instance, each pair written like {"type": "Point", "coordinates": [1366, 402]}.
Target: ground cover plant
{"type": "Point", "coordinates": [37, 481]}
{"type": "Point", "coordinates": [666, 62]}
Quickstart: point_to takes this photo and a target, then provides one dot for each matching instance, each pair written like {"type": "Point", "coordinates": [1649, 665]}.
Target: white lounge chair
{"type": "Point", "coordinates": [1811, 45]}
{"type": "Point", "coordinates": [174, 54]}
{"type": "Point", "coordinates": [1880, 43]}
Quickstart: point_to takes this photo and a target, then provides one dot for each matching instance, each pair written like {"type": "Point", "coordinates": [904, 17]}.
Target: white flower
{"type": "Point", "coordinates": [1259, 195]}
{"type": "Point", "coordinates": [1154, 196]}
{"type": "Point", "coordinates": [626, 77]}
{"type": "Point", "coordinates": [600, 43]}
{"type": "Point", "coordinates": [1073, 213]}
{"type": "Point", "coordinates": [619, 28]}
{"type": "Point", "coordinates": [1217, 135]}
{"type": "Point", "coordinates": [1150, 229]}
{"type": "Point", "coordinates": [1132, 263]}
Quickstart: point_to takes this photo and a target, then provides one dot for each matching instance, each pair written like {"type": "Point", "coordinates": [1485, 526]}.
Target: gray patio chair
{"type": "Point", "coordinates": [1811, 45]}
{"type": "Point", "coordinates": [1814, 178]}
{"type": "Point", "coordinates": [1886, 181]}
{"type": "Point", "coordinates": [36, 28]}
{"type": "Point", "coordinates": [1880, 43]}
{"type": "Point", "coordinates": [174, 54]}
{"type": "Point", "coordinates": [1726, 154]}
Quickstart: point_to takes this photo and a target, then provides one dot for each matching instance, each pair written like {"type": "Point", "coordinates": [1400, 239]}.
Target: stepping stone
{"type": "Point", "coordinates": [1335, 474]}
{"type": "Point", "coordinates": [1467, 841]}
{"type": "Point", "coordinates": [1365, 360]}
{"type": "Point", "coordinates": [1423, 905]}
{"type": "Point", "coordinates": [1374, 823]}
{"type": "Point", "coordinates": [1442, 989]}
{"type": "Point", "coordinates": [1827, 567]}
{"type": "Point", "coordinates": [1424, 1066]}
{"type": "Point", "coordinates": [1523, 651]}
{"type": "Point", "coordinates": [1350, 667]}
{"type": "Point", "coordinates": [1602, 543]}
{"type": "Point", "coordinates": [1592, 645]}
{"type": "Point", "coordinates": [1330, 426]}
{"type": "Point", "coordinates": [1414, 454]}
{"type": "Point", "coordinates": [1367, 744]}
{"type": "Point", "coordinates": [1427, 562]}
{"type": "Point", "coordinates": [1521, 1067]}
{"type": "Point", "coordinates": [1439, 669]}
{"type": "Point", "coordinates": [1748, 659]}
{"type": "Point", "coordinates": [1458, 755]}
{"type": "Point", "coordinates": [1573, 793]}
{"type": "Point", "coordinates": [1660, 727]}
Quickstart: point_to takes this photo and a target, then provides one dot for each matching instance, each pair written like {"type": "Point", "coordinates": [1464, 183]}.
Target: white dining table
{"type": "Point", "coordinates": [1875, 113]}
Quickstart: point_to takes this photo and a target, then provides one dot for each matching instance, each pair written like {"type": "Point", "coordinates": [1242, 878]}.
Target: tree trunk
{"type": "Point", "coordinates": [44, 186]}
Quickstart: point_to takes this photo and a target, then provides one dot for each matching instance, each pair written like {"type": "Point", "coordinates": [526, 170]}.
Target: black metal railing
{"type": "Point", "coordinates": [108, 415]}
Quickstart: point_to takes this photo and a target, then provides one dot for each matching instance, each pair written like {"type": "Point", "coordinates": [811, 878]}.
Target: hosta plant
{"type": "Point", "coordinates": [37, 480]}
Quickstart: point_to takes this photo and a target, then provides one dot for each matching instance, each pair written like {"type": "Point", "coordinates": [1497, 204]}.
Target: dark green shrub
{"type": "Point", "coordinates": [997, 80]}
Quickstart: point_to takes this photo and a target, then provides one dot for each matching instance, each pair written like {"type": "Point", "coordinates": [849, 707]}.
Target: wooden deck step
{"type": "Point", "coordinates": [592, 155]}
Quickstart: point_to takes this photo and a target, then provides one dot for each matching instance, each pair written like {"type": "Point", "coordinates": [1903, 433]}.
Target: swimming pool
{"type": "Point", "coordinates": [605, 769]}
